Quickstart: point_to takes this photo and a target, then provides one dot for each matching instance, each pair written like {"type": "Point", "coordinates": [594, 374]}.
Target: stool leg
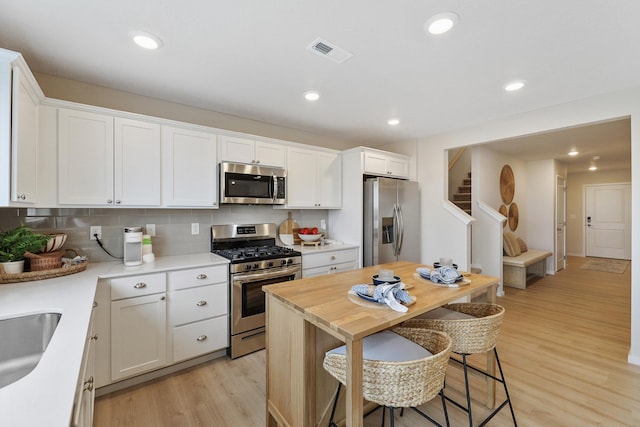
{"type": "Point", "coordinates": [466, 386]}
{"type": "Point", "coordinates": [504, 383]}
{"type": "Point", "coordinates": [391, 423]}
{"type": "Point", "coordinates": [444, 407]}
{"type": "Point", "coordinates": [335, 404]}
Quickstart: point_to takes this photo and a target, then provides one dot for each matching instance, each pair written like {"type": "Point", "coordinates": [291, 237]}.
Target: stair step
{"type": "Point", "coordinates": [464, 205]}
{"type": "Point", "coordinates": [464, 189]}
{"type": "Point", "coordinates": [462, 196]}
{"type": "Point", "coordinates": [466, 181]}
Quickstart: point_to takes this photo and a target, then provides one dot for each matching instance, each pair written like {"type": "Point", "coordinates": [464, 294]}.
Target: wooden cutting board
{"type": "Point", "coordinates": [286, 230]}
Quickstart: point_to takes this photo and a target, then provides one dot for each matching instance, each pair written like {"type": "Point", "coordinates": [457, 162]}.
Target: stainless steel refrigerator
{"type": "Point", "coordinates": [391, 221]}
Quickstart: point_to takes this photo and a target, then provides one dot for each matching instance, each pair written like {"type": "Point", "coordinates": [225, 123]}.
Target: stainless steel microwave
{"type": "Point", "coordinates": [250, 184]}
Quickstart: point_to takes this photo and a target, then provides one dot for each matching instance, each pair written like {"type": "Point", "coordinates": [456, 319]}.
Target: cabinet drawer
{"type": "Point", "coordinates": [329, 258]}
{"type": "Point", "coordinates": [199, 338]}
{"type": "Point", "coordinates": [135, 286]}
{"type": "Point", "coordinates": [329, 269]}
{"type": "Point", "coordinates": [189, 305]}
{"type": "Point", "coordinates": [193, 277]}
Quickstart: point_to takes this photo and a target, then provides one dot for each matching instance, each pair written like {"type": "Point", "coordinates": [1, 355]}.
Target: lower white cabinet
{"type": "Point", "coordinates": [198, 311]}
{"type": "Point", "coordinates": [329, 262]}
{"type": "Point", "coordinates": [85, 391]}
{"type": "Point", "coordinates": [138, 325]}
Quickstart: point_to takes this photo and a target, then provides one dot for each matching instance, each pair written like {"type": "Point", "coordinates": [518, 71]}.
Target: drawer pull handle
{"type": "Point", "coordinates": [140, 285]}
{"type": "Point", "coordinates": [201, 276]}
{"type": "Point", "coordinates": [201, 303]}
{"type": "Point", "coordinates": [201, 338]}
{"type": "Point", "coordinates": [162, 298]}
{"type": "Point", "coordinates": [333, 257]}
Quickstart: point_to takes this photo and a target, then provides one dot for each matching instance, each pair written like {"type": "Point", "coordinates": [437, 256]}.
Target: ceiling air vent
{"type": "Point", "coordinates": [328, 50]}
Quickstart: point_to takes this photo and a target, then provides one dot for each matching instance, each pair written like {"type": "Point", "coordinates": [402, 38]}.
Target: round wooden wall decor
{"type": "Point", "coordinates": [503, 211]}
{"type": "Point", "coordinates": [507, 184]}
{"type": "Point", "coordinates": [513, 217]}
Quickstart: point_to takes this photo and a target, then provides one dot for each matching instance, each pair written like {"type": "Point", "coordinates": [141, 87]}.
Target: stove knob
{"type": "Point", "coordinates": [256, 266]}
{"type": "Point", "coordinates": [289, 261]}
{"type": "Point", "coordinates": [283, 261]}
{"type": "Point", "coordinates": [247, 267]}
{"type": "Point", "coordinates": [270, 264]}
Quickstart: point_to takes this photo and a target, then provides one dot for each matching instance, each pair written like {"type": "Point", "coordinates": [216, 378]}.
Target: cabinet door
{"type": "Point", "coordinates": [102, 329]}
{"type": "Point", "coordinates": [85, 394]}
{"type": "Point", "coordinates": [302, 179]}
{"type": "Point", "coordinates": [137, 163]}
{"type": "Point", "coordinates": [233, 149]}
{"type": "Point", "coordinates": [85, 158]}
{"type": "Point", "coordinates": [189, 168]}
{"type": "Point", "coordinates": [375, 163]}
{"type": "Point", "coordinates": [24, 140]}
{"type": "Point", "coordinates": [267, 153]}
{"type": "Point", "coordinates": [329, 180]}
{"type": "Point", "coordinates": [398, 167]}
{"type": "Point", "coordinates": [138, 335]}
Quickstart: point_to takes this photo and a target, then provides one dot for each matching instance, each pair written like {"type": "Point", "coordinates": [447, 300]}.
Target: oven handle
{"type": "Point", "coordinates": [239, 279]}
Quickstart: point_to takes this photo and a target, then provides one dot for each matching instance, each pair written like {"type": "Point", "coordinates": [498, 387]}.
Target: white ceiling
{"type": "Point", "coordinates": [248, 58]}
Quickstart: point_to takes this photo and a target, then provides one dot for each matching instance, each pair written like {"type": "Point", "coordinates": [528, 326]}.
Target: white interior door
{"type": "Point", "coordinates": [608, 220]}
{"type": "Point", "coordinates": [561, 222]}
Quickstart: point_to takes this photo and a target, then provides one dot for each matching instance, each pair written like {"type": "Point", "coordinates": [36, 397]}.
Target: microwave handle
{"type": "Point", "coordinates": [275, 188]}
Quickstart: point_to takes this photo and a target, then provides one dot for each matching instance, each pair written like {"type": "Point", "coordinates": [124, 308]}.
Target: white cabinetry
{"type": "Point", "coordinates": [198, 311]}
{"type": "Point", "coordinates": [314, 178]}
{"type": "Point", "coordinates": [385, 164]}
{"type": "Point", "coordinates": [243, 150]}
{"type": "Point", "coordinates": [20, 97]}
{"type": "Point", "coordinates": [189, 168]}
{"type": "Point", "coordinates": [107, 161]}
{"type": "Point", "coordinates": [329, 262]}
{"type": "Point", "coordinates": [85, 391]}
{"type": "Point", "coordinates": [138, 324]}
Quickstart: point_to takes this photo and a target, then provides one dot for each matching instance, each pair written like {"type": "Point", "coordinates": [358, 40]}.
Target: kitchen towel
{"type": "Point", "coordinates": [391, 295]}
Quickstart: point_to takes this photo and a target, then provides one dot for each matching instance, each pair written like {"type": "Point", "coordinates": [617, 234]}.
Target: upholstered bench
{"type": "Point", "coordinates": [517, 269]}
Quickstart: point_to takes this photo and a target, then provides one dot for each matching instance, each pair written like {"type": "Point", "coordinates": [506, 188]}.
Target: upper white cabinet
{"type": "Point", "coordinates": [189, 168]}
{"type": "Point", "coordinates": [243, 150]}
{"type": "Point", "coordinates": [314, 178]}
{"type": "Point", "coordinates": [385, 164]}
{"type": "Point", "coordinates": [107, 161]}
{"type": "Point", "coordinates": [20, 97]}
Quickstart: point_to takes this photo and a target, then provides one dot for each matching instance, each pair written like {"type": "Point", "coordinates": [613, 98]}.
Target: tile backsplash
{"type": "Point", "coordinates": [173, 226]}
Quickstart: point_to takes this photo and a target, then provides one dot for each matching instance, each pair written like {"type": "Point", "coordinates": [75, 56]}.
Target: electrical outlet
{"type": "Point", "coordinates": [323, 224]}
{"type": "Point", "coordinates": [93, 230]}
{"type": "Point", "coordinates": [150, 229]}
{"type": "Point", "coordinates": [195, 228]}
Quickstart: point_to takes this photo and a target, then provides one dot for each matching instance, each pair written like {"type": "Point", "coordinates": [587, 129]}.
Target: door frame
{"type": "Point", "coordinates": [561, 199]}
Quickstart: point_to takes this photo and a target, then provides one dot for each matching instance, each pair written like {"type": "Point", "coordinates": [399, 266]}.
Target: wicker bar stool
{"type": "Point", "coordinates": [473, 328]}
{"type": "Point", "coordinates": [402, 368]}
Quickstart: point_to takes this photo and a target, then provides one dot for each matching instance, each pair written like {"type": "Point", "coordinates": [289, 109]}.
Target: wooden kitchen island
{"type": "Point", "coordinates": [306, 318]}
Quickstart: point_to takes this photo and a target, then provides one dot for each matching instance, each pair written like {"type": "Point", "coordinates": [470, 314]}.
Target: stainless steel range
{"type": "Point", "coordinates": [255, 261]}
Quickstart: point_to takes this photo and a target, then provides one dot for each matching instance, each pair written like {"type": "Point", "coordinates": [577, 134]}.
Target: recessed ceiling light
{"type": "Point", "coordinates": [573, 152]}
{"type": "Point", "coordinates": [311, 95]}
{"type": "Point", "coordinates": [393, 122]}
{"type": "Point", "coordinates": [441, 23]}
{"type": "Point", "coordinates": [513, 86]}
{"type": "Point", "coordinates": [145, 40]}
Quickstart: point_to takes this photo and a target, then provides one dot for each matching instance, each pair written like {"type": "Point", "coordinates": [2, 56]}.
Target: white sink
{"type": "Point", "coordinates": [23, 341]}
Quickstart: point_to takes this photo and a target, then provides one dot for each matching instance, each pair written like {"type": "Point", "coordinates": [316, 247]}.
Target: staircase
{"type": "Point", "coordinates": [462, 198]}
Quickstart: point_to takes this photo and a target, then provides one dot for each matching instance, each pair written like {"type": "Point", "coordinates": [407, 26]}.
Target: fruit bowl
{"type": "Point", "coordinates": [310, 237]}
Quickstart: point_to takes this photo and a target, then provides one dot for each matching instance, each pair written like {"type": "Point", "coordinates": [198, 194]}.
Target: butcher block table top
{"type": "Point", "coordinates": [323, 301]}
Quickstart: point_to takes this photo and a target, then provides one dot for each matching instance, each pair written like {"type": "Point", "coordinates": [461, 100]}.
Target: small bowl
{"type": "Point", "coordinates": [437, 265]}
{"type": "Point", "coordinates": [377, 281]}
{"type": "Point", "coordinates": [55, 242]}
{"type": "Point", "coordinates": [309, 237]}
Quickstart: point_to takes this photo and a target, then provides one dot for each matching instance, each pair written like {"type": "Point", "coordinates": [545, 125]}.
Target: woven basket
{"type": "Point", "coordinates": [401, 384]}
{"type": "Point", "coordinates": [43, 274]}
{"type": "Point", "coordinates": [469, 336]}
{"type": "Point", "coordinates": [44, 261]}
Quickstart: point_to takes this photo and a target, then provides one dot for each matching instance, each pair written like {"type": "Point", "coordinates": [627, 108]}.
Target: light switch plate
{"type": "Point", "coordinates": [195, 228]}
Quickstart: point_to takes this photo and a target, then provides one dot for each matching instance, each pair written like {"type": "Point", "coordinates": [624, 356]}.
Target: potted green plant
{"type": "Point", "coordinates": [13, 245]}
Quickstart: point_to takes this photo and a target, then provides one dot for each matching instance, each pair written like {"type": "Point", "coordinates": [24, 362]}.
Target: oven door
{"type": "Point", "coordinates": [247, 297]}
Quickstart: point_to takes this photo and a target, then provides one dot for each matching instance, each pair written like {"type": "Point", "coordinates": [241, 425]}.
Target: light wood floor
{"type": "Point", "coordinates": [563, 346]}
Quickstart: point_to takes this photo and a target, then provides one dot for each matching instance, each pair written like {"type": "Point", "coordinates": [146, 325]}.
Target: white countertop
{"type": "Point", "coordinates": [45, 396]}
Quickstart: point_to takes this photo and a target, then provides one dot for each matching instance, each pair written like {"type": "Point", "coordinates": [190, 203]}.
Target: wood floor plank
{"type": "Point", "coordinates": [563, 345]}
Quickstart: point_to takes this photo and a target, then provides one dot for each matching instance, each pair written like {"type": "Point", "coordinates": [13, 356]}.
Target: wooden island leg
{"type": "Point", "coordinates": [354, 383]}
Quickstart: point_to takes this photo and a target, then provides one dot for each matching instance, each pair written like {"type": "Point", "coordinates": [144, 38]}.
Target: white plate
{"type": "Point", "coordinates": [287, 239]}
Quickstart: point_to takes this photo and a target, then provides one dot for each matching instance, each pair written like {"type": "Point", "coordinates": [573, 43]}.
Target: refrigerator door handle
{"type": "Point", "coordinates": [400, 230]}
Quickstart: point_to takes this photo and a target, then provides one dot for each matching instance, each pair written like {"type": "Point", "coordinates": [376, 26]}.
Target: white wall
{"type": "Point", "coordinates": [541, 202]}
{"type": "Point", "coordinates": [606, 107]}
